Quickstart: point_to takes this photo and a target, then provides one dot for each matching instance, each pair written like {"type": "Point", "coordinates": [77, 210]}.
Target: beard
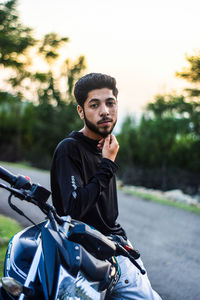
{"type": "Point", "coordinates": [104, 131]}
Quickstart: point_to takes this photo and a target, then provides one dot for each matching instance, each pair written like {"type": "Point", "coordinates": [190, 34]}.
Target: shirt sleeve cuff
{"type": "Point", "coordinates": [110, 164]}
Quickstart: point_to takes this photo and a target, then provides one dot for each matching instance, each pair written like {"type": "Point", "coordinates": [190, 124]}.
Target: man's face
{"type": "Point", "coordinates": [99, 113]}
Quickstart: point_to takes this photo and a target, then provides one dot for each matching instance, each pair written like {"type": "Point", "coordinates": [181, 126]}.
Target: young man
{"type": "Point", "coordinates": [83, 175]}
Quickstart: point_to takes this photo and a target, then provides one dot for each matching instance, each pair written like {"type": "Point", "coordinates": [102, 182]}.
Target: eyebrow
{"type": "Point", "coordinates": [98, 100]}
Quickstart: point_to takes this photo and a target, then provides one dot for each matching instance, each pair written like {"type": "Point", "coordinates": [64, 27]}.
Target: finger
{"type": "Point", "coordinates": [112, 139]}
{"type": "Point", "coordinates": [100, 144]}
{"type": "Point", "coordinates": [107, 140]}
{"type": "Point", "coordinates": [101, 141]}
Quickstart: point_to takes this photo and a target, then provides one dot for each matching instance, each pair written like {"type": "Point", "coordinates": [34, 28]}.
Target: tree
{"type": "Point", "coordinates": [39, 109]}
{"type": "Point", "coordinates": [10, 126]}
{"type": "Point", "coordinates": [162, 151]}
{"type": "Point", "coordinates": [128, 141]}
{"type": "Point", "coordinates": [14, 37]}
{"type": "Point", "coordinates": [192, 74]}
{"type": "Point", "coordinates": [185, 111]}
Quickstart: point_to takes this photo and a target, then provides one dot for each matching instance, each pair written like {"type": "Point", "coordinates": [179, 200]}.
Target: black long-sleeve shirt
{"type": "Point", "coordinates": [83, 184]}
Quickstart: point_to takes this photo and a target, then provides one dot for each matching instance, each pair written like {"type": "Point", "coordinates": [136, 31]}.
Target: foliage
{"type": "Point", "coordinates": [8, 228]}
{"type": "Point", "coordinates": [162, 151]}
{"type": "Point", "coordinates": [14, 37]}
{"type": "Point", "coordinates": [37, 110]}
{"type": "Point", "coordinates": [128, 141]}
{"type": "Point", "coordinates": [192, 73]}
{"type": "Point", "coordinates": [28, 130]}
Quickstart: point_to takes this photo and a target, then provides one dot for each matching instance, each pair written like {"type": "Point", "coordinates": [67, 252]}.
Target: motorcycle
{"type": "Point", "coordinates": [59, 258]}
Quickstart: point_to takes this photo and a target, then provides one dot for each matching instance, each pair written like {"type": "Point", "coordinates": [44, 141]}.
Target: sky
{"type": "Point", "coordinates": [142, 43]}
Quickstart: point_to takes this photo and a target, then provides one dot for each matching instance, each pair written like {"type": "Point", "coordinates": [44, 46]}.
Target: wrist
{"type": "Point", "coordinates": [110, 157]}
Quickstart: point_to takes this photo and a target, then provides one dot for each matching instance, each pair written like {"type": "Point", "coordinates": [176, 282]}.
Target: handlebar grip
{"type": "Point", "coordinates": [7, 176]}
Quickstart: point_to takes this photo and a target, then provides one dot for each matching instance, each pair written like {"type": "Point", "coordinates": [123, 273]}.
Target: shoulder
{"type": "Point", "coordinates": [67, 147]}
{"type": "Point", "coordinates": [67, 142]}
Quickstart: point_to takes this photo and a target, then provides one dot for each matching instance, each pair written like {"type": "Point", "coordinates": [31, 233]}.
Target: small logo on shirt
{"type": "Point", "coordinates": [73, 182]}
{"type": "Point", "coordinates": [74, 194]}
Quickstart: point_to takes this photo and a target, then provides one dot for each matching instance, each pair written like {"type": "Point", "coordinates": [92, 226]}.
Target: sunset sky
{"type": "Point", "coordinates": [140, 42]}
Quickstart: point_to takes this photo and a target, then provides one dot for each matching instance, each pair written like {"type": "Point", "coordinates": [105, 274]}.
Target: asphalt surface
{"type": "Point", "coordinates": [167, 238]}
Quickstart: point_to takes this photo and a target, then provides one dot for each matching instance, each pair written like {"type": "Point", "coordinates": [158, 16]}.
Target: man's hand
{"type": "Point", "coordinates": [109, 147]}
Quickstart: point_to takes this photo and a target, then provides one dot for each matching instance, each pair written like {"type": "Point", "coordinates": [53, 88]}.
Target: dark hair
{"type": "Point", "coordinates": [91, 82]}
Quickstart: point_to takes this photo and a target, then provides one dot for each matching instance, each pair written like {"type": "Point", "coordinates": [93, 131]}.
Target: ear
{"type": "Point", "coordinates": [80, 112]}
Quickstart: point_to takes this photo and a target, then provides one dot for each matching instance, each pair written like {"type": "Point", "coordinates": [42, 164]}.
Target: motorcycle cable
{"type": "Point", "coordinates": [20, 212]}
{"type": "Point", "coordinates": [52, 215]}
{"type": "Point", "coordinates": [48, 212]}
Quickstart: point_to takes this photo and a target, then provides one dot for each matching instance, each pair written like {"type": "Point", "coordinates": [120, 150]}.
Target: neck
{"type": "Point", "coordinates": [89, 133]}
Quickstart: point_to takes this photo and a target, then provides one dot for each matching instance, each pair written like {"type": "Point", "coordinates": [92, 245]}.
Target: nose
{"type": "Point", "coordinates": [104, 111]}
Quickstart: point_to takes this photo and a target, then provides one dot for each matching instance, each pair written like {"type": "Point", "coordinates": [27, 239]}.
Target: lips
{"type": "Point", "coordinates": [105, 121]}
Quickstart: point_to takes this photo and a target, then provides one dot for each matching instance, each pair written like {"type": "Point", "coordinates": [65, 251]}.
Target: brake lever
{"type": "Point", "coordinates": [18, 193]}
{"type": "Point", "coordinates": [122, 251]}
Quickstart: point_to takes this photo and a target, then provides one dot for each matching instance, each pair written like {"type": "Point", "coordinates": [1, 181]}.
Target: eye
{"type": "Point", "coordinates": [111, 103]}
{"type": "Point", "coordinates": [94, 105]}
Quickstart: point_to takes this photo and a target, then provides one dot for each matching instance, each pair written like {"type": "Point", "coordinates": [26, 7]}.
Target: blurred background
{"type": "Point", "coordinates": [153, 50]}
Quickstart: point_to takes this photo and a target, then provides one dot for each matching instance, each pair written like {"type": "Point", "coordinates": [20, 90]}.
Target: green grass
{"type": "Point", "coordinates": [8, 228]}
{"type": "Point", "coordinates": [164, 201]}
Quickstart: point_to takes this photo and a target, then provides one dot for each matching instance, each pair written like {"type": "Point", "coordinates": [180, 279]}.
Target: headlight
{"type": "Point", "coordinates": [66, 289]}
{"type": "Point", "coordinates": [79, 288]}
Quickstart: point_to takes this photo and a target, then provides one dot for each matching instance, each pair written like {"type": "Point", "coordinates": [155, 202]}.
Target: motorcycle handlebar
{"type": "Point", "coordinates": [23, 189]}
{"type": "Point", "coordinates": [19, 182]}
{"type": "Point", "coordinates": [7, 176]}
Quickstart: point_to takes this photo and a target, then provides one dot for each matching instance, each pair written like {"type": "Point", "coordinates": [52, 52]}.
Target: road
{"type": "Point", "coordinates": [168, 239]}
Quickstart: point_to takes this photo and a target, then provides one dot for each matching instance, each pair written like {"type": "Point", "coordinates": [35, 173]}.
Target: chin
{"type": "Point", "coordinates": [105, 134]}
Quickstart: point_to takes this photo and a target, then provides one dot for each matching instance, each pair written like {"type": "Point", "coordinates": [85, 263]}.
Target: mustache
{"type": "Point", "coordinates": [104, 120]}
